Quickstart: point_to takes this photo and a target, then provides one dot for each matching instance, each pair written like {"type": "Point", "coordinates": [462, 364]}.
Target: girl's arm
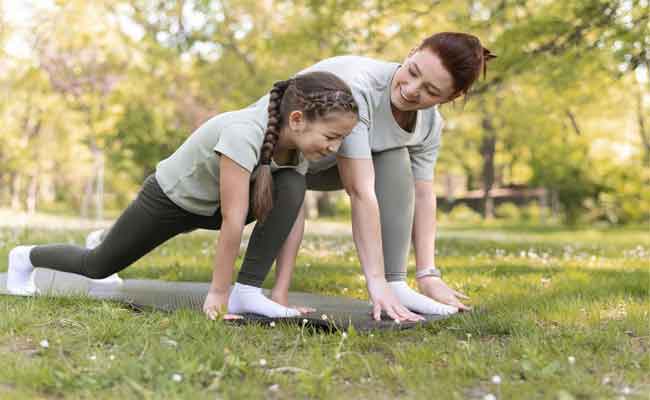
{"type": "Point", "coordinates": [287, 260]}
{"type": "Point", "coordinates": [234, 182]}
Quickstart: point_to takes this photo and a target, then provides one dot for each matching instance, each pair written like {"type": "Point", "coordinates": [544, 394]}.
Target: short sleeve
{"type": "Point", "coordinates": [357, 143]}
{"type": "Point", "coordinates": [241, 143]}
{"type": "Point", "coordinates": [424, 155]}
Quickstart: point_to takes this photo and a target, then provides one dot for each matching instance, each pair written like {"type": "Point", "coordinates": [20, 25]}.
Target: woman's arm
{"type": "Point", "coordinates": [358, 178]}
{"type": "Point", "coordinates": [234, 194]}
{"type": "Point", "coordinates": [424, 237]}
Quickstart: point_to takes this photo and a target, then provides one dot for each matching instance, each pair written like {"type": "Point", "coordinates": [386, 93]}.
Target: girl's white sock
{"type": "Point", "coordinates": [19, 277]}
{"type": "Point", "coordinates": [419, 303]}
{"type": "Point", "coordinates": [250, 299]}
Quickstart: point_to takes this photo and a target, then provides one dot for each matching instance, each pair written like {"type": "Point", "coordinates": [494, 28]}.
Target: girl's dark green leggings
{"type": "Point", "coordinates": [152, 219]}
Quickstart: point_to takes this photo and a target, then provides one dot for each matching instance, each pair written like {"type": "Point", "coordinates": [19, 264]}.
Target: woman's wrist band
{"type": "Point", "coordinates": [431, 271]}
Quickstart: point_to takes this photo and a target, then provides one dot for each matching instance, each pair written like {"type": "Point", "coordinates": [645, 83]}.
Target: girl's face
{"type": "Point", "coordinates": [421, 82]}
{"type": "Point", "coordinates": [322, 137]}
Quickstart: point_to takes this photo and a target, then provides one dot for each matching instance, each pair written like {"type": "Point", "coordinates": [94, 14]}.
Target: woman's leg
{"type": "Point", "coordinates": [395, 189]}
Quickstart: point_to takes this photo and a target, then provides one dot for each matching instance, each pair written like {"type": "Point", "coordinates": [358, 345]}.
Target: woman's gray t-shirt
{"type": "Point", "coordinates": [190, 176]}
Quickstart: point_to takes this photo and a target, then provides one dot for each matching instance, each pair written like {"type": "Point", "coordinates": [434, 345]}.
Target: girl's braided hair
{"type": "Point", "coordinates": [316, 94]}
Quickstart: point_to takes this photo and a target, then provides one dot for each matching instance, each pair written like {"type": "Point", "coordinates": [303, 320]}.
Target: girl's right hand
{"type": "Point", "coordinates": [215, 306]}
{"type": "Point", "coordinates": [383, 298]}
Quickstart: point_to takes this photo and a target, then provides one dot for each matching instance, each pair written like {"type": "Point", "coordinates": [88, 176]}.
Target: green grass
{"type": "Point", "coordinates": [540, 297]}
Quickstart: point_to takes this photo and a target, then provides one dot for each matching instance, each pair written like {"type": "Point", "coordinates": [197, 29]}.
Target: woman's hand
{"type": "Point", "coordinates": [438, 290]}
{"type": "Point", "coordinates": [383, 298]}
{"type": "Point", "coordinates": [215, 305]}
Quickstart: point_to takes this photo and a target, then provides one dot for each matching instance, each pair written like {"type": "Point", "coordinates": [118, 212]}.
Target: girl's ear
{"type": "Point", "coordinates": [297, 120]}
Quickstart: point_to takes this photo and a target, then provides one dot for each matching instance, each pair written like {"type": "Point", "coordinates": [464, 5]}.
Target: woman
{"type": "Point", "coordinates": [213, 181]}
{"type": "Point", "coordinates": [386, 166]}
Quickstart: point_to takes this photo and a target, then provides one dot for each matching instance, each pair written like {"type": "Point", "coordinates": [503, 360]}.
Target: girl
{"type": "Point", "coordinates": [206, 184]}
{"type": "Point", "coordinates": [386, 167]}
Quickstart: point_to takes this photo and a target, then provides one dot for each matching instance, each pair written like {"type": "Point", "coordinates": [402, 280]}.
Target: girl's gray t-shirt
{"type": "Point", "coordinates": [190, 176]}
{"type": "Point", "coordinates": [377, 130]}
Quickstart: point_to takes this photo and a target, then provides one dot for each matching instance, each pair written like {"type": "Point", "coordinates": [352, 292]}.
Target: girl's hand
{"type": "Point", "coordinates": [383, 298]}
{"type": "Point", "coordinates": [438, 290]}
{"type": "Point", "coordinates": [215, 306]}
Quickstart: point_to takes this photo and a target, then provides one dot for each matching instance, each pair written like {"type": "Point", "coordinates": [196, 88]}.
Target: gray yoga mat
{"type": "Point", "coordinates": [332, 312]}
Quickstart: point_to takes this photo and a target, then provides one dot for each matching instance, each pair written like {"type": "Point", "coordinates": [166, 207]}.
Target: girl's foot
{"type": "Point", "coordinates": [20, 277]}
{"type": "Point", "coordinates": [250, 299]}
{"type": "Point", "coordinates": [93, 240]}
{"type": "Point", "coordinates": [419, 303]}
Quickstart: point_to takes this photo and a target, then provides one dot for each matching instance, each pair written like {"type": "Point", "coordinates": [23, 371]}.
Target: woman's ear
{"type": "Point", "coordinates": [297, 120]}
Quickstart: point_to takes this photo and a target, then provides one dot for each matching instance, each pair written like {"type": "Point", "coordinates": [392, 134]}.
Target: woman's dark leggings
{"type": "Point", "coordinates": [152, 219]}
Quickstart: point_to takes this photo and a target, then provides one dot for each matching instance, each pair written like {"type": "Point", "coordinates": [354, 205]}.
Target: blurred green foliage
{"type": "Point", "coordinates": [102, 91]}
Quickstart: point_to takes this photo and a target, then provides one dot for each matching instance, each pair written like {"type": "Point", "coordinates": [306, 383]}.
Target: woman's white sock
{"type": "Point", "coordinates": [419, 303]}
{"type": "Point", "coordinates": [250, 299]}
{"type": "Point", "coordinates": [19, 276]}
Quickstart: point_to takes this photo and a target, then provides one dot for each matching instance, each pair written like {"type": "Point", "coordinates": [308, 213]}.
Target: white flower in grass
{"type": "Point", "coordinates": [397, 321]}
{"type": "Point", "coordinates": [571, 359]}
{"type": "Point", "coordinates": [274, 388]}
{"type": "Point", "coordinates": [304, 320]}
{"type": "Point", "coordinates": [272, 324]}
{"type": "Point", "coordinates": [262, 362]}
{"type": "Point", "coordinates": [626, 390]}
{"type": "Point", "coordinates": [489, 396]}
{"type": "Point", "coordinates": [92, 357]}
{"type": "Point", "coordinates": [177, 377]}
{"type": "Point", "coordinates": [323, 317]}
{"type": "Point", "coordinates": [338, 356]}
{"type": "Point", "coordinates": [496, 379]}
{"type": "Point", "coordinates": [44, 343]}
{"type": "Point", "coordinates": [344, 335]}
{"type": "Point", "coordinates": [111, 357]}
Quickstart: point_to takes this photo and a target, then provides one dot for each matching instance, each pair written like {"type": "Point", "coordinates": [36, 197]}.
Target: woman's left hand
{"type": "Point", "coordinates": [438, 290]}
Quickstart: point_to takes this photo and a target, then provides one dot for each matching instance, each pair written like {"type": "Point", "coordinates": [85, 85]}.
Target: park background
{"type": "Point", "coordinates": [94, 94]}
{"type": "Point", "coordinates": [542, 181]}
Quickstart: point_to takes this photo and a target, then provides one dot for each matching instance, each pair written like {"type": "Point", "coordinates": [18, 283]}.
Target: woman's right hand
{"type": "Point", "coordinates": [215, 305]}
{"type": "Point", "coordinates": [383, 298]}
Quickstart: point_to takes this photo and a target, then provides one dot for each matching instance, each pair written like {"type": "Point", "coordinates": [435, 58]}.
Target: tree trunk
{"type": "Point", "coordinates": [488, 148]}
{"type": "Point", "coordinates": [16, 187]}
{"type": "Point", "coordinates": [324, 204]}
{"type": "Point", "coordinates": [32, 194]}
{"type": "Point", "coordinates": [645, 136]}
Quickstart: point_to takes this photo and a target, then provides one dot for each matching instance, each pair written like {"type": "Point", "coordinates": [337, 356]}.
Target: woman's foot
{"type": "Point", "coordinates": [20, 276]}
{"type": "Point", "coordinates": [419, 303]}
{"type": "Point", "coordinates": [250, 299]}
{"type": "Point", "coordinates": [93, 240]}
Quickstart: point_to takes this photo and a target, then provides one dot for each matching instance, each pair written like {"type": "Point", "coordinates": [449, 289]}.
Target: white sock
{"type": "Point", "coordinates": [250, 299]}
{"type": "Point", "coordinates": [19, 277]}
{"type": "Point", "coordinates": [419, 303]}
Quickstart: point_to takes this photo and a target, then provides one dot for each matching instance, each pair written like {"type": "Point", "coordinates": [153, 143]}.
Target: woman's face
{"type": "Point", "coordinates": [322, 137]}
{"type": "Point", "coordinates": [421, 82]}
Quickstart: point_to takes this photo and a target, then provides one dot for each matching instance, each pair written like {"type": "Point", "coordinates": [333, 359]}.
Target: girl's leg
{"type": "Point", "coordinates": [264, 245]}
{"type": "Point", "coordinates": [150, 220]}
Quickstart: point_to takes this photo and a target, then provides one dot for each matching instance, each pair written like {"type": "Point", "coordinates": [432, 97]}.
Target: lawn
{"type": "Point", "coordinates": [557, 314]}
